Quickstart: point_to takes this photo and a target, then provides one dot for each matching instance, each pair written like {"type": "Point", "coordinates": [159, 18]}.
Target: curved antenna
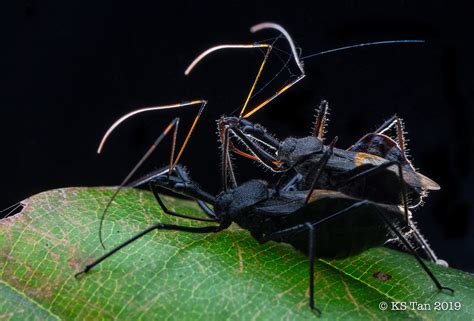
{"type": "Point", "coordinates": [272, 25]}
{"type": "Point", "coordinates": [173, 123]}
{"type": "Point", "coordinates": [142, 110]}
{"type": "Point", "coordinates": [258, 27]}
{"type": "Point", "coordinates": [220, 47]}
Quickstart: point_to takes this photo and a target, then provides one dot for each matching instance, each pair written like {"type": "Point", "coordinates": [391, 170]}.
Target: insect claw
{"type": "Point", "coordinates": [447, 289]}
{"type": "Point", "coordinates": [316, 311]}
{"type": "Point", "coordinates": [79, 273]}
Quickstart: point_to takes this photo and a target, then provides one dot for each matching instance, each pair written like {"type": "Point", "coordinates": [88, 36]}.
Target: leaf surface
{"type": "Point", "coordinates": [170, 275]}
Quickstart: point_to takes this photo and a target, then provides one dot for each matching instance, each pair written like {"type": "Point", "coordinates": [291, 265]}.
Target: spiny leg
{"type": "Point", "coordinates": [241, 129]}
{"type": "Point", "coordinates": [258, 152]}
{"type": "Point", "coordinates": [412, 250]}
{"type": "Point", "coordinates": [380, 168]}
{"type": "Point", "coordinates": [424, 244]}
{"type": "Point", "coordinates": [394, 120]}
{"type": "Point", "coordinates": [226, 161]}
{"type": "Point", "coordinates": [321, 120]}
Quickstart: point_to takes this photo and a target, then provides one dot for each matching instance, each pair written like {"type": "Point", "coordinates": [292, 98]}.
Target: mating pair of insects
{"type": "Point", "coordinates": [327, 202]}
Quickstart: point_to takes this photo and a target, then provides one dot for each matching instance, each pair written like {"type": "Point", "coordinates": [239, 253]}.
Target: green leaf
{"type": "Point", "coordinates": [180, 276]}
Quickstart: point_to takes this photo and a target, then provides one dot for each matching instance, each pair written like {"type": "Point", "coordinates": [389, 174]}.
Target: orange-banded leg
{"type": "Point", "coordinates": [240, 130]}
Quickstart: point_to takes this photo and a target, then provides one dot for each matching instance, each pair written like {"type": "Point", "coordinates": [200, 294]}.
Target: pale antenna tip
{"type": "Point", "coordinates": [264, 25]}
{"type": "Point", "coordinates": [101, 145]}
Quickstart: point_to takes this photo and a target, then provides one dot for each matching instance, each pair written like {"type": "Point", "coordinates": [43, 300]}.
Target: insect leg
{"type": "Point", "coordinates": [179, 170]}
{"type": "Point", "coordinates": [182, 174]}
{"type": "Point", "coordinates": [301, 227]}
{"type": "Point", "coordinates": [169, 212]}
{"type": "Point", "coordinates": [282, 234]}
{"type": "Point", "coordinates": [285, 233]}
{"type": "Point", "coordinates": [424, 245]}
{"type": "Point", "coordinates": [394, 120]}
{"type": "Point", "coordinates": [242, 128]}
{"type": "Point", "coordinates": [257, 151]}
{"type": "Point", "coordinates": [271, 25]}
{"type": "Point", "coordinates": [311, 268]}
{"type": "Point", "coordinates": [158, 226]}
{"type": "Point", "coordinates": [412, 250]}
{"type": "Point", "coordinates": [320, 165]}
{"type": "Point", "coordinates": [226, 161]}
{"type": "Point", "coordinates": [174, 123]}
{"type": "Point", "coordinates": [321, 120]}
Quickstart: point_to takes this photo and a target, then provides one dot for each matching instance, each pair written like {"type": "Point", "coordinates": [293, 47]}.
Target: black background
{"type": "Point", "coordinates": [69, 69]}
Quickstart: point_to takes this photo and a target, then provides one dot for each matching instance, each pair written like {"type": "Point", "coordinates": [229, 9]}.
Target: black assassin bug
{"type": "Point", "coordinates": [243, 113]}
{"type": "Point", "coordinates": [285, 214]}
{"type": "Point", "coordinates": [368, 154]}
{"type": "Point", "coordinates": [320, 223]}
{"type": "Point", "coordinates": [372, 150]}
{"type": "Point", "coordinates": [374, 168]}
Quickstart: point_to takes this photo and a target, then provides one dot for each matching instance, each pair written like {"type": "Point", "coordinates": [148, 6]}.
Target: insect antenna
{"type": "Point", "coordinates": [174, 123]}
{"type": "Point", "coordinates": [256, 28]}
{"type": "Point", "coordinates": [11, 210]}
{"type": "Point", "coordinates": [366, 44]}
{"type": "Point", "coordinates": [154, 108]}
{"type": "Point", "coordinates": [271, 25]}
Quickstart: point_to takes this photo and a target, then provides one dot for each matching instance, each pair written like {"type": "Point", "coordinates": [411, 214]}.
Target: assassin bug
{"type": "Point", "coordinates": [308, 220]}
{"type": "Point", "coordinates": [375, 153]}
{"type": "Point", "coordinates": [281, 214]}
{"type": "Point", "coordinates": [243, 113]}
{"type": "Point", "coordinates": [383, 176]}
{"type": "Point", "coordinates": [202, 103]}
{"type": "Point", "coordinates": [371, 151]}
{"type": "Point", "coordinates": [365, 156]}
